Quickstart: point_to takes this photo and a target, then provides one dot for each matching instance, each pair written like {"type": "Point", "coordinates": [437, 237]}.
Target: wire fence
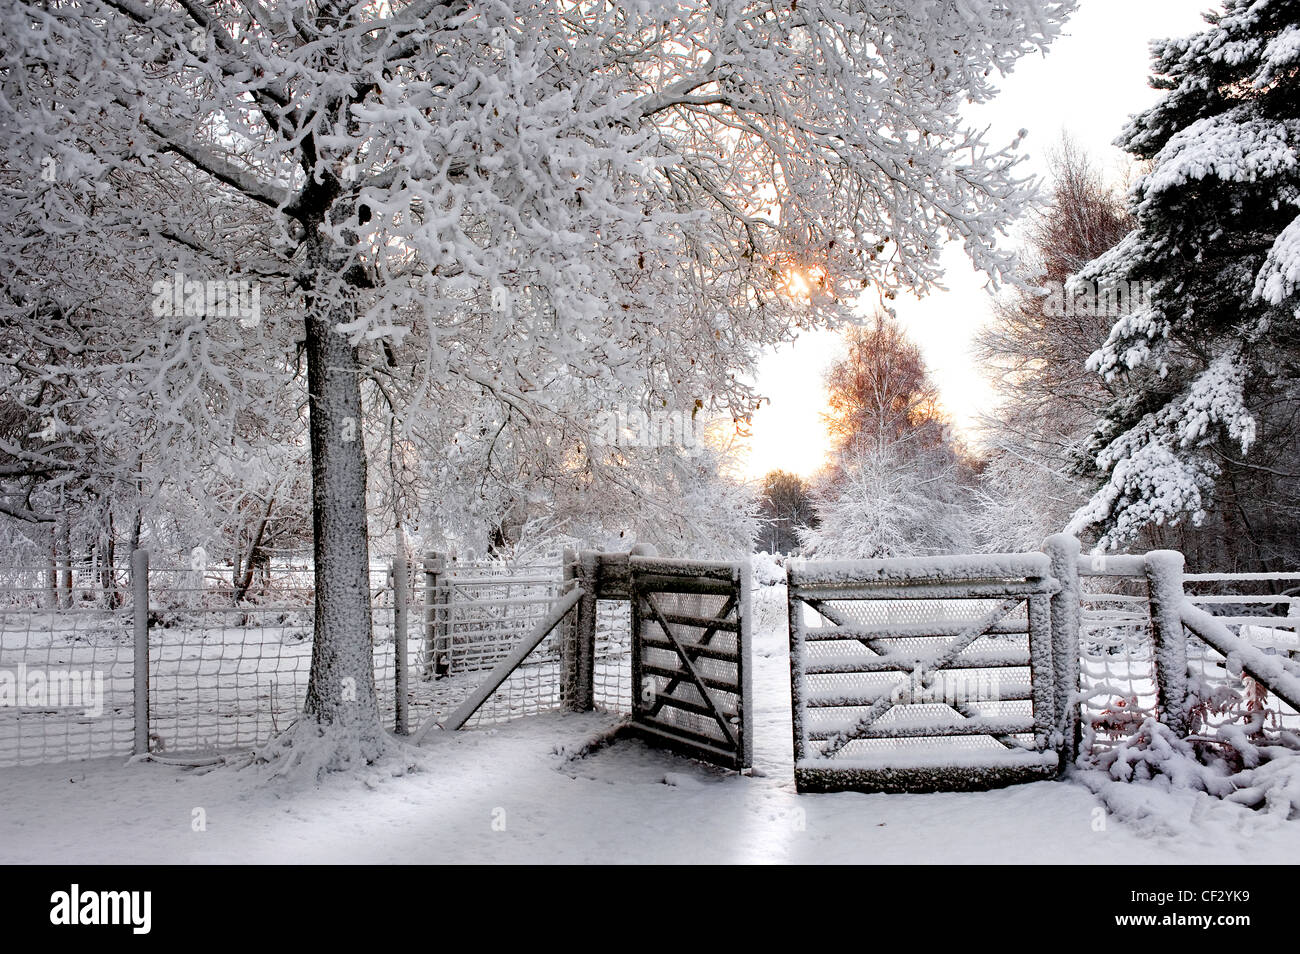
{"type": "Point", "coordinates": [1118, 670]}
{"type": "Point", "coordinates": [229, 665]}
{"type": "Point", "coordinates": [66, 669]}
{"type": "Point", "coordinates": [1117, 675]}
{"type": "Point", "coordinates": [222, 677]}
{"type": "Point", "coordinates": [1263, 610]}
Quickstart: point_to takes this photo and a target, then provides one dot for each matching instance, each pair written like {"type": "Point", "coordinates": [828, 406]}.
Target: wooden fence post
{"type": "Point", "coordinates": [569, 634]}
{"type": "Point", "coordinates": [140, 614]}
{"type": "Point", "coordinates": [1164, 571]}
{"type": "Point", "coordinates": [744, 656]}
{"type": "Point", "coordinates": [1067, 611]}
{"type": "Point", "coordinates": [400, 677]}
{"type": "Point", "coordinates": [583, 693]}
{"type": "Point", "coordinates": [795, 623]}
{"type": "Point", "coordinates": [433, 567]}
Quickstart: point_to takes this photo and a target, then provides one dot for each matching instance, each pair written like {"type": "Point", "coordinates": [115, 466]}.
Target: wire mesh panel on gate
{"type": "Point", "coordinates": [479, 614]}
{"type": "Point", "coordinates": [921, 675]}
{"type": "Point", "coordinates": [479, 611]}
{"type": "Point", "coordinates": [612, 669]}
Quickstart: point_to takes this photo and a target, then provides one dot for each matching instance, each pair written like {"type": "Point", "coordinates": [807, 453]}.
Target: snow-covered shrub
{"type": "Point", "coordinates": [1231, 762]}
{"type": "Point", "coordinates": [769, 569]}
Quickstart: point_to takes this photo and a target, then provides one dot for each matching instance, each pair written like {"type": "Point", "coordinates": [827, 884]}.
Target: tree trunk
{"type": "Point", "coordinates": [67, 554]}
{"type": "Point", "coordinates": [108, 577]}
{"type": "Point", "coordinates": [54, 566]}
{"type": "Point", "coordinates": [137, 521]}
{"type": "Point", "coordinates": [341, 688]}
{"type": "Point", "coordinates": [244, 580]}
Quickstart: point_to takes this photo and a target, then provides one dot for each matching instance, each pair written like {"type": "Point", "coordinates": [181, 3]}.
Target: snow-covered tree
{"type": "Point", "coordinates": [1035, 350]}
{"type": "Point", "coordinates": [881, 390]}
{"type": "Point", "coordinates": [1206, 370]}
{"type": "Point", "coordinates": [785, 507]}
{"type": "Point", "coordinates": [684, 504]}
{"type": "Point", "coordinates": [491, 480]}
{"type": "Point", "coordinates": [548, 201]}
{"type": "Point", "coordinates": [897, 484]}
{"type": "Point", "coordinates": [888, 501]}
{"type": "Point", "coordinates": [121, 401]}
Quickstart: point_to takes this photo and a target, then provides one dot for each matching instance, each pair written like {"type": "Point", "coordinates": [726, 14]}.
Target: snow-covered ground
{"type": "Point", "coordinates": [524, 792]}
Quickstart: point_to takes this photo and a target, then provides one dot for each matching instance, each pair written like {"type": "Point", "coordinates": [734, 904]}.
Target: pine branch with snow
{"type": "Point", "coordinates": [1204, 369]}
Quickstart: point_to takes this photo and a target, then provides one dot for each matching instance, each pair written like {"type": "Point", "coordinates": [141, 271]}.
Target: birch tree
{"type": "Point", "coordinates": [897, 484]}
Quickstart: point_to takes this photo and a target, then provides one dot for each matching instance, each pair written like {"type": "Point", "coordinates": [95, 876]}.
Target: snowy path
{"type": "Point", "coordinates": [624, 803]}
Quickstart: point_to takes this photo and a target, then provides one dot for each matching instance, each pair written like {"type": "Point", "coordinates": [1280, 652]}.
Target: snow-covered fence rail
{"type": "Point", "coordinates": [922, 674]}
{"type": "Point", "coordinates": [1261, 608]}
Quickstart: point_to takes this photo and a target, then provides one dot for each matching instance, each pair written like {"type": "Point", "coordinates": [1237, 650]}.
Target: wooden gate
{"type": "Point", "coordinates": [922, 675]}
{"type": "Point", "coordinates": [690, 642]}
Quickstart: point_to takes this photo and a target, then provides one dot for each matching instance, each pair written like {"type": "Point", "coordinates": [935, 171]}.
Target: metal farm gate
{"type": "Point", "coordinates": [911, 675]}
{"type": "Point", "coordinates": [690, 640]}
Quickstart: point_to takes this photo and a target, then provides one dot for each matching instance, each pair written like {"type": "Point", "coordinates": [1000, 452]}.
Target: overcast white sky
{"type": "Point", "coordinates": [1090, 81]}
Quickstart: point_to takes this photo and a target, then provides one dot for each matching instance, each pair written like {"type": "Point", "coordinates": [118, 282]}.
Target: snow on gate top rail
{"type": "Point", "coordinates": [936, 569]}
{"type": "Point", "coordinates": [1232, 577]}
